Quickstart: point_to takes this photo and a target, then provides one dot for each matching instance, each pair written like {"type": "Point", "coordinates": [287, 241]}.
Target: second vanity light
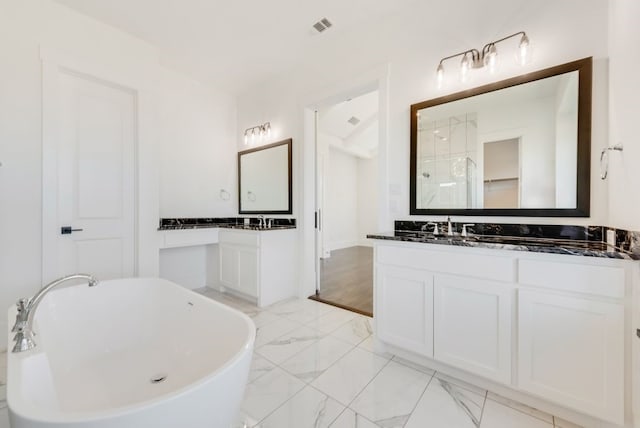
{"type": "Point", "coordinates": [259, 131]}
{"type": "Point", "coordinates": [488, 56]}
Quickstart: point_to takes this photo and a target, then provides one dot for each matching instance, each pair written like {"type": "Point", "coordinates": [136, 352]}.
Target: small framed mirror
{"type": "Point", "coordinates": [519, 147]}
{"type": "Point", "coordinates": [264, 179]}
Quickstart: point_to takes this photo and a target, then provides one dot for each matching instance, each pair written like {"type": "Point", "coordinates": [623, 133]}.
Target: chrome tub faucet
{"type": "Point", "coordinates": [27, 309]}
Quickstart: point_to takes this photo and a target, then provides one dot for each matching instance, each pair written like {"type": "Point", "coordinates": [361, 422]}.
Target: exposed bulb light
{"type": "Point", "coordinates": [261, 131]}
{"type": "Point", "coordinates": [440, 75]}
{"type": "Point", "coordinates": [491, 58]}
{"type": "Point", "coordinates": [487, 57]}
{"type": "Point", "coordinates": [464, 68]}
{"type": "Point", "coordinates": [524, 52]}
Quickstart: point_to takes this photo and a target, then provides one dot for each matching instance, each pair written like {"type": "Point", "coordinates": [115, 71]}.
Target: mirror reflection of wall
{"type": "Point", "coordinates": [511, 148]}
{"type": "Point", "coordinates": [501, 185]}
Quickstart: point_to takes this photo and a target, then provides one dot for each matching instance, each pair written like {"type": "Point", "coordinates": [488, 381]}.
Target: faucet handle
{"type": "Point", "coordinates": [21, 316]}
{"type": "Point", "coordinates": [464, 228]}
{"type": "Point", "coordinates": [22, 304]}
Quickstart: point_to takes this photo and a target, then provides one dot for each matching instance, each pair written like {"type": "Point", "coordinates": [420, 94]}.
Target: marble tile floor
{"type": "Point", "coordinates": [314, 366]}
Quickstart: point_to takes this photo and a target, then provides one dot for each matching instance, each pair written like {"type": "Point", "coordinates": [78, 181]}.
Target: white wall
{"type": "Point", "coordinates": [367, 198]}
{"type": "Point", "coordinates": [340, 200]}
{"type": "Point", "coordinates": [402, 53]}
{"type": "Point", "coordinates": [198, 151]}
{"type": "Point", "coordinates": [624, 173]}
{"type": "Point", "coordinates": [179, 120]}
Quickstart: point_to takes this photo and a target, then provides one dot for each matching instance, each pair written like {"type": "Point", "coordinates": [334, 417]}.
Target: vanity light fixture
{"type": "Point", "coordinates": [488, 57]}
{"type": "Point", "coordinates": [259, 131]}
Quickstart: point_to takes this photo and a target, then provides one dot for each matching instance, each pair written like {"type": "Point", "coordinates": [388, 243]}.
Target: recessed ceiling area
{"type": "Point", "coordinates": [236, 44]}
{"type": "Point", "coordinates": [357, 137]}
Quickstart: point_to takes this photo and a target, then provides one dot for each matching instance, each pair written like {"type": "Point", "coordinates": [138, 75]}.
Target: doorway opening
{"type": "Point", "coordinates": [347, 141]}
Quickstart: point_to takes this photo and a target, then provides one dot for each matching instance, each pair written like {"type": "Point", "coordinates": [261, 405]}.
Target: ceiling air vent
{"type": "Point", "coordinates": [322, 25]}
{"type": "Point", "coordinates": [354, 120]}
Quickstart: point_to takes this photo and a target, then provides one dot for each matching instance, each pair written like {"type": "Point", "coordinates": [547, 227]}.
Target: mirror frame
{"type": "Point", "coordinates": [289, 210]}
{"type": "Point", "coordinates": [583, 191]}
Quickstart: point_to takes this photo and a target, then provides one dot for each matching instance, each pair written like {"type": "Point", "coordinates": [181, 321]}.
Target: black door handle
{"type": "Point", "coordinates": [67, 230]}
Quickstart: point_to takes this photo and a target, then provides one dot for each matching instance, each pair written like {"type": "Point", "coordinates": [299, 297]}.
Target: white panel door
{"type": "Point", "coordinates": [96, 178]}
{"type": "Point", "coordinates": [472, 325]}
{"type": "Point", "coordinates": [571, 351]}
{"type": "Point", "coordinates": [404, 308]}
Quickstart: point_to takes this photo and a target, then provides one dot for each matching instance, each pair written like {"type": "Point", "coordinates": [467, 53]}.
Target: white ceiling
{"type": "Point", "coordinates": [360, 140]}
{"type": "Point", "coordinates": [237, 43]}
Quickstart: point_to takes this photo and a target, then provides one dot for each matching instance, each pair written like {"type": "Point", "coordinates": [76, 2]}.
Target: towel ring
{"type": "Point", "coordinates": [604, 159]}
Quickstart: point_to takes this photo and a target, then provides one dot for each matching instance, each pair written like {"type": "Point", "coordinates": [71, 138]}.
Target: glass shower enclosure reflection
{"type": "Point", "coordinates": [447, 162]}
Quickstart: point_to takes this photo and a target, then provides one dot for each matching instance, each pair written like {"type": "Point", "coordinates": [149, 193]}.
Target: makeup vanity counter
{"type": "Point", "coordinates": [184, 232]}
{"type": "Point", "coordinates": [537, 324]}
{"type": "Point", "coordinates": [254, 262]}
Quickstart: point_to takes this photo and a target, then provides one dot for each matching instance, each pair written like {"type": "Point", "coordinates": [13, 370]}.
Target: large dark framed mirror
{"type": "Point", "coordinates": [264, 179]}
{"type": "Point", "coordinates": [518, 147]}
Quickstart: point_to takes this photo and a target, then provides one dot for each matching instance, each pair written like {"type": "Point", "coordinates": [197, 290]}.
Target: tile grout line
{"type": "Point", "coordinates": [281, 405]}
{"type": "Point", "coordinates": [420, 398]}
{"type": "Point", "coordinates": [308, 384]}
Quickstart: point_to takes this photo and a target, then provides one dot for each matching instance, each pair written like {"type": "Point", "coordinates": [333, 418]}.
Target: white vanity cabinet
{"type": "Point", "coordinates": [258, 264]}
{"type": "Point", "coordinates": [472, 325]}
{"type": "Point", "coordinates": [424, 305]}
{"type": "Point", "coordinates": [571, 344]}
{"type": "Point", "coordinates": [404, 313]}
{"type": "Point", "coordinates": [549, 327]}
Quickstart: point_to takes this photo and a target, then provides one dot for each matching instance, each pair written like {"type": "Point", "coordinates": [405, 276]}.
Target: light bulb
{"type": "Point", "coordinates": [491, 58]}
{"type": "Point", "coordinates": [464, 68]}
{"type": "Point", "coordinates": [253, 136]}
{"type": "Point", "coordinates": [440, 75]}
{"type": "Point", "coordinates": [268, 129]}
{"type": "Point", "coordinates": [246, 138]}
{"type": "Point", "coordinates": [524, 51]}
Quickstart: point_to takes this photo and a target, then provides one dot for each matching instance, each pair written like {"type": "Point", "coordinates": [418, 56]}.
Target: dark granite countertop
{"type": "Point", "coordinates": [537, 245]}
{"type": "Point", "coordinates": [224, 223]}
{"type": "Point", "coordinates": [225, 226]}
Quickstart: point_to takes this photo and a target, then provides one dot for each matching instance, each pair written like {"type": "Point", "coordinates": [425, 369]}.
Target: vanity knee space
{"type": "Point", "coordinates": [549, 326]}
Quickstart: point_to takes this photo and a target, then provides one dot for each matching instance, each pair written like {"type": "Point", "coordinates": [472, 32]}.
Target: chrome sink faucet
{"type": "Point", "coordinates": [465, 230]}
{"type": "Point", "coordinates": [431, 223]}
{"type": "Point", "coordinates": [27, 310]}
{"type": "Point", "coordinates": [449, 228]}
{"type": "Point", "coordinates": [261, 220]}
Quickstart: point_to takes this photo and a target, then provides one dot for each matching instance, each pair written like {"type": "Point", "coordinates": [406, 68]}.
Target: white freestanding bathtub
{"type": "Point", "coordinates": [130, 353]}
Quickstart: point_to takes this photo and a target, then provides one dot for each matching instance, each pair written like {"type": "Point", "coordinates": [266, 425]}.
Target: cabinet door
{"type": "Point", "coordinates": [404, 308]}
{"type": "Point", "coordinates": [228, 256]}
{"type": "Point", "coordinates": [472, 325]}
{"type": "Point", "coordinates": [571, 351]}
{"type": "Point", "coordinates": [248, 271]}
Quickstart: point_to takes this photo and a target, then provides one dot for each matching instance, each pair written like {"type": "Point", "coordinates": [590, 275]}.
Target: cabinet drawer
{"type": "Point", "coordinates": [498, 268]}
{"type": "Point", "coordinates": [606, 281]}
{"type": "Point", "coordinates": [244, 237]}
{"type": "Point", "coordinates": [187, 238]}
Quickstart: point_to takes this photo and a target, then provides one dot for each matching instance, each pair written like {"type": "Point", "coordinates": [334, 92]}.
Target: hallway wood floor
{"type": "Point", "coordinates": [346, 279]}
